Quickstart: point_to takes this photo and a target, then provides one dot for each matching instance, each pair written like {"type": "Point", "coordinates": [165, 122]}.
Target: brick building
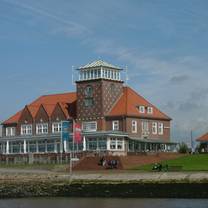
{"type": "Point", "coordinates": [114, 118]}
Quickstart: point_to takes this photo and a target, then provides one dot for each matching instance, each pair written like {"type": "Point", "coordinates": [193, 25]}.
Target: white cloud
{"type": "Point", "coordinates": [177, 85]}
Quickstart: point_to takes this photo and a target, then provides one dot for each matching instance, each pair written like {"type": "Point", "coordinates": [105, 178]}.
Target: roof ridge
{"type": "Point", "coordinates": [58, 94]}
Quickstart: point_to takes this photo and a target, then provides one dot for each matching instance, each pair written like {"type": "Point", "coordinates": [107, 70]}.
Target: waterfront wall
{"type": "Point", "coordinates": [94, 188]}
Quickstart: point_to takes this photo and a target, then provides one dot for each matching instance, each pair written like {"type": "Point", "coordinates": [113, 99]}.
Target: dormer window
{"type": "Point", "coordinates": [115, 125]}
{"type": "Point", "coordinates": [141, 109]}
{"type": "Point", "coordinates": [149, 110]}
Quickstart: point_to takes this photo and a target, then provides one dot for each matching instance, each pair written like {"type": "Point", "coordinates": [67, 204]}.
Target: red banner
{"type": "Point", "coordinates": [77, 133]}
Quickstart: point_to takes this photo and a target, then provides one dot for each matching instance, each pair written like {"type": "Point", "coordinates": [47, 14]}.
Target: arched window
{"type": "Point", "coordinates": [88, 91]}
{"type": "Point", "coordinates": [88, 96]}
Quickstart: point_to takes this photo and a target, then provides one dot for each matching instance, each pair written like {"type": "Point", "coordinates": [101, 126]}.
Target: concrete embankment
{"type": "Point", "coordinates": [122, 184]}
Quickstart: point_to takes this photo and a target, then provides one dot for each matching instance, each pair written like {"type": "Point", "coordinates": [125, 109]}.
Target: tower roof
{"type": "Point", "coordinates": [99, 63]}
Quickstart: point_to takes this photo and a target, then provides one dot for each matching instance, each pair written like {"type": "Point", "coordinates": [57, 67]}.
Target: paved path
{"type": "Point", "coordinates": [9, 173]}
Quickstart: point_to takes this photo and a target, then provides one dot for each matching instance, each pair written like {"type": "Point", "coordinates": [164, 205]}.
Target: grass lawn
{"type": "Point", "coordinates": [198, 162]}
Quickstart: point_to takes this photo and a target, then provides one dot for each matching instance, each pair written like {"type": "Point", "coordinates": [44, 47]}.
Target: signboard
{"type": "Point", "coordinates": [65, 130]}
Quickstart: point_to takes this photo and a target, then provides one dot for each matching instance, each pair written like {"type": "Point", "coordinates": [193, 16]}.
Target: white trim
{"type": "Point", "coordinates": [142, 109]}
{"type": "Point", "coordinates": [160, 128]}
{"type": "Point", "coordinates": [154, 128]}
{"type": "Point", "coordinates": [115, 125]}
{"type": "Point", "coordinates": [134, 126]}
{"type": "Point", "coordinates": [26, 129]}
{"type": "Point", "coordinates": [89, 126]}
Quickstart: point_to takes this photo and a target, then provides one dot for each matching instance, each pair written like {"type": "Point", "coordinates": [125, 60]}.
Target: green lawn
{"type": "Point", "coordinates": [188, 163]}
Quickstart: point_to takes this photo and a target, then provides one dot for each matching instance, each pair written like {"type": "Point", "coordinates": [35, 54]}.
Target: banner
{"type": "Point", "coordinates": [65, 130]}
{"type": "Point", "coordinates": [77, 133]}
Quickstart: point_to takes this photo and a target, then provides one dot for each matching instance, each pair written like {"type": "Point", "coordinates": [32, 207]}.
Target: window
{"type": "Point", "coordinates": [115, 125]}
{"type": "Point", "coordinates": [26, 129]}
{"type": "Point", "coordinates": [154, 128]}
{"type": "Point", "coordinates": [160, 128]}
{"type": "Point", "coordinates": [88, 96]}
{"type": "Point", "coordinates": [112, 143]}
{"type": "Point", "coordinates": [134, 126]}
{"type": "Point", "coordinates": [141, 109]}
{"type": "Point", "coordinates": [120, 144]}
{"type": "Point", "coordinates": [89, 126]}
{"type": "Point", "coordinates": [116, 144]}
{"type": "Point", "coordinates": [56, 127]}
{"type": "Point", "coordinates": [145, 128]}
{"type": "Point", "coordinates": [10, 131]}
{"type": "Point", "coordinates": [150, 110]}
{"type": "Point", "coordinates": [88, 102]}
{"type": "Point", "coordinates": [88, 91]}
{"type": "Point", "coordinates": [42, 128]}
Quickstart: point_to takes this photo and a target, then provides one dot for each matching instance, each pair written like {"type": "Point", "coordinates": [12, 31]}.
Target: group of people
{"type": "Point", "coordinates": [160, 167]}
{"type": "Point", "coordinates": [108, 164]}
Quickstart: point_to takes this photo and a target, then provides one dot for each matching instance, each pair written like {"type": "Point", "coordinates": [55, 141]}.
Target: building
{"type": "Point", "coordinates": [203, 140]}
{"type": "Point", "coordinates": [114, 118]}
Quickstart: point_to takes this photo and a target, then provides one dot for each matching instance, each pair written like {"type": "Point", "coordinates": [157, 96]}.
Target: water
{"type": "Point", "coordinates": [102, 203]}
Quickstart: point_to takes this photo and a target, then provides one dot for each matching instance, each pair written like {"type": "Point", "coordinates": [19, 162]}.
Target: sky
{"type": "Point", "coordinates": [163, 43]}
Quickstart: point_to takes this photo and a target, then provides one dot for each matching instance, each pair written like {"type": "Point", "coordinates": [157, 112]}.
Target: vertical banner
{"type": "Point", "coordinates": [77, 133]}
{"type": "Point", "coordinates": [65, 130]}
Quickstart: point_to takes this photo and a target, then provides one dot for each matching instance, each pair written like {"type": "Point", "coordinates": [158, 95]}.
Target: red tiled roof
{"type": "Point", "coordinates": [203, 138]}
{"type": "Point", "coordinates": [49, 102]}
{"type": "Point", "coordinates": [14, 118]}
{"type": "Point", "coordinates": [128, 105]}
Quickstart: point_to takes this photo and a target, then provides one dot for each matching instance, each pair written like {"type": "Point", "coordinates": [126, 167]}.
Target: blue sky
{"type": "Point", "coordinates": [164, 43]}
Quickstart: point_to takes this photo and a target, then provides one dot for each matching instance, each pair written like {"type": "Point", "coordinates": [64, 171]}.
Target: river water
{"type": "Point", "coordinates": [102, 203]}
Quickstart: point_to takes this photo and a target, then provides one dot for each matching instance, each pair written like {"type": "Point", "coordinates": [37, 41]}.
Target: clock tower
{"type": "Point", "coordinates": [98, 88]}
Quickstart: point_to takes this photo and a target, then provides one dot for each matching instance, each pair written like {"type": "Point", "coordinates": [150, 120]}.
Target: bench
{"type": "Point", "coordinates": [165, 167]}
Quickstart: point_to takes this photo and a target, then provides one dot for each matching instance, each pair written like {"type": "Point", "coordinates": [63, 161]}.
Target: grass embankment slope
{"type": "Point", "coordinates": [187, 163]}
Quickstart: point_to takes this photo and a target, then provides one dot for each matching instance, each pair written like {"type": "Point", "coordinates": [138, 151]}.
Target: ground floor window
{"type": "Point", "coordinates": [116, 143]}
{"type": "Point", "coordinates": [96, 144]}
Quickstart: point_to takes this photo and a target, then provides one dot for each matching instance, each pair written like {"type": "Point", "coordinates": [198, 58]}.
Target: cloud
{"type": "Point", "coordinates": [178, 79]}
{"type": "Point", "coordinates": [177, 85]}
{"type": "Point", "coordinates": [65, 25]}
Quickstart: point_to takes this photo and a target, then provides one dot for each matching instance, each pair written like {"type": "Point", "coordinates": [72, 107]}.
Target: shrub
{"type": "Point", "coordinates": [183, 148]}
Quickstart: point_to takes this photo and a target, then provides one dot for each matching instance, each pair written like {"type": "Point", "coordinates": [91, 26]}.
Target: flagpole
{"type": "Point", "coordinates": [71, 152]}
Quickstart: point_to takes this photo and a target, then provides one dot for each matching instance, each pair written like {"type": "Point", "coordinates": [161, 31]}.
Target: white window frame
{"type": "Point", "coordinates": [160, 128]}
{"type": "Point", "coordinates": [134, 126]}
{"type": "Point", "coordinates": [56, 127]}
{"type": "Point", "coordinates": [115, 125]}
{"type": "Point", "coordinates": [116, 144]}
{"type": "Point", "coordinates": [149, 110]}
{"type": "Point", "coordinates": [145, 128]}
{"type": "Point", "coordinates": [26, 129]}
{"type": "Point", "coordinates": [154, 128]}
{"type": "Point", "coordinates": [10, 131]}
{"type": "Point", "coordinates": [42, 128]}
{"type": "Point", "coordinates": [89, 126]}
{"type": "Point", "coordinates": [142, 109]}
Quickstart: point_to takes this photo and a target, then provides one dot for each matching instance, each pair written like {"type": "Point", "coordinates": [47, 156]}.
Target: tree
{"type": "Point", "coordinates": [183, 148]}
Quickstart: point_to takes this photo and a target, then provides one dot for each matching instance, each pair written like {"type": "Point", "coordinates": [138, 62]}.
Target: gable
{"type": "Point", "coordinates": [58, 114]}
{"type": "Point", "coordinates": [26, 116]}
{"type": "Point", "coordinates": [41, 115]}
